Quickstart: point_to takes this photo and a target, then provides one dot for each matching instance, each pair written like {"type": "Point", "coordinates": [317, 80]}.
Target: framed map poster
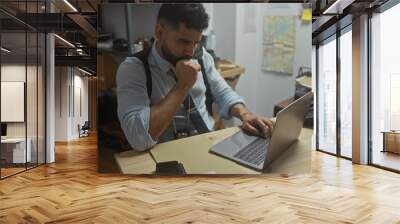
{"type": "Point", "coordinates": [279, 40]}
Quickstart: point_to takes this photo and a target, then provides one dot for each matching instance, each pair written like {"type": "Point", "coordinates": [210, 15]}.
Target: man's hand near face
{"type": "Point", "coordinates": [161, 114]}
{"type": "Point", "coordinates": [186, 74]}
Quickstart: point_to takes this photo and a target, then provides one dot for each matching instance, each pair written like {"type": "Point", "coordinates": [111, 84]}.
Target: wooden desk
{"type": "Point", "coordinates": [194, 154]}
{"type": "Point", "coordinates": [132, 162]}
{"type": "Point", "coordinates": [230, 72]}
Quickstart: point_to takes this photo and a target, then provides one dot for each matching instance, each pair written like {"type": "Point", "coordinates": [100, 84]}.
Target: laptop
{"type": "Point", "coordinates": [257, 152]}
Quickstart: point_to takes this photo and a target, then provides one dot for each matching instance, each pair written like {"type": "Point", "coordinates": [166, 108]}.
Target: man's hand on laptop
{"type": "Point", "coordinates": [256, 125]}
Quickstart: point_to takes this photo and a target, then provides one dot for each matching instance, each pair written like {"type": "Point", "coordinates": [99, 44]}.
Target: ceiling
{"type": "Point", "coordinates": [76, 22]}
{"type": "Point", "coordinates": [330, 15]}
{"type": "Point", "coordinates": [19, 53]}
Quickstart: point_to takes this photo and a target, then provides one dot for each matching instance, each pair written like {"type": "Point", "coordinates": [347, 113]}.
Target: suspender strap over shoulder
{"type": "Point", "coordinates": [143, 57]}
{"type": "Point", "coordinates": [209, 96]}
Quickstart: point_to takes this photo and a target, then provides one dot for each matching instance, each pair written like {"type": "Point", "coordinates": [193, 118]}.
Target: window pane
{"type": "Point", "coordinates": [385, 88]}
{"type": "Point", "coordinates": [346, 94]}
{"type": "Point", "coordinates": [31, 97]}
{"type": "Point", "coordinates": [327, 97]}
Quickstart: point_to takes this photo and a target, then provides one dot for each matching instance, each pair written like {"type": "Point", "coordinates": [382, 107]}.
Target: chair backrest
{"type": "Point", "coordinates": [86, 125]}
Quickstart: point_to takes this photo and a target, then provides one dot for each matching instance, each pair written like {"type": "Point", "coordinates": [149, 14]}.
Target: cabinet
{"type": "Point", "coordinates": [391, 141]}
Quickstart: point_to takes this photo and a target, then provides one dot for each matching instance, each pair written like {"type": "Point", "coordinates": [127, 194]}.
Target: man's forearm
{"type": "Point", "coordinates": [239, 110]}
{"type": "Point", "coordinates": [162, 113]}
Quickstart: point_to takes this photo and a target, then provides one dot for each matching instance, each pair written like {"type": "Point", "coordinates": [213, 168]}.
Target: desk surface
{"type": "Point", "coordinates": [13, 140]}
{"type": "Point", "coordinates": [391, 132]}
{"type": "Point", "coordinates": [229, 70]}
{"type": "Point", "coordinates": [194, 153]}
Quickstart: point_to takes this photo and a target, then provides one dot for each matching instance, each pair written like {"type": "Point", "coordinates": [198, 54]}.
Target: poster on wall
{"type": "Point", "coordinates": [12, 101]}
{"type": "Point", "coordinates": [279, 36]}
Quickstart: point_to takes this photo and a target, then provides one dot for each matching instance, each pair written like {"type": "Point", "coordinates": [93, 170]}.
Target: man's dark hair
{"type": "Point", "coordinates": [192, 15]}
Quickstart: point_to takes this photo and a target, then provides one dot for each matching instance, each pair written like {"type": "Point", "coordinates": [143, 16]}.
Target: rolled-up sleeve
{"type": "Point", "coordinates": [223, 94]}
{"type": "Point", "coordinates": [134, 104]}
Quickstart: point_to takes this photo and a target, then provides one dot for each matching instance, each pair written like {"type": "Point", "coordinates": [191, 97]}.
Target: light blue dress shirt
{"type": "Point", "coordinates": [134, 103]}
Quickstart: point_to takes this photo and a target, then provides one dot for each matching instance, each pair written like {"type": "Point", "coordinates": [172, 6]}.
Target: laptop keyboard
{"type": "Point", "coordinates": [254, 152]}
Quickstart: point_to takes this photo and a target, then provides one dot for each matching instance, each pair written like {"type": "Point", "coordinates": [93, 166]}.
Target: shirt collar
{"type": "Point", "coordinates": [164, 65]}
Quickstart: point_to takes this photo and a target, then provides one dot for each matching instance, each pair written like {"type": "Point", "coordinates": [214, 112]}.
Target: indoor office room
{"type": "Point", "coordinates": [58, 66]}
{"type": "Point", "coordinates": [74, 95]}
{"type": "Point", "coordinates": [37, 113]}
{"type": "Point", "coordinates": [75, 72]}
{"type": "Point", "coordinates": [22, 99]}
{"type": "Point", "coordinates": [258, 49]}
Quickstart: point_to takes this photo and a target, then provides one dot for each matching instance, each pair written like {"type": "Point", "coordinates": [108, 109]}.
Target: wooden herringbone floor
{"type": "Point", "coordinates": [71, 191]}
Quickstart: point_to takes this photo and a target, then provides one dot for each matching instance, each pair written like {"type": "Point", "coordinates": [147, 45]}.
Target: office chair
{"type": "Point", "coordinates": [84, 130]}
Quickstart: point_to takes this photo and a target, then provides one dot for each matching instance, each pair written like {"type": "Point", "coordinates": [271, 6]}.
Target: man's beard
{"type": "Point", "coordinates": [170, 57]}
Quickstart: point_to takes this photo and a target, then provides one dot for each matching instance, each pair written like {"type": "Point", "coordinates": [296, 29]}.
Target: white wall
{"type": "Point", "coordinates": [33, 126]}
{"type": "Point", "coordinates": [67, 115]}
{"type": "Point", "coordinates": [138, 14]}
{"type": "Point", "coordinates": [113, 14]}
{"type": "Point", "coordinates": [80, 83]}
{"type": "Point", "coordinates": [224, 26]}
{"type": "Point", "coordinates": [61, 103]}
{"type": "Point", "coordinates": [209, 7]}
{"type": "Point", "coordinates": [262, 90]}
{"type": "Point", "coordinates": [14, 72]}
{"type": "Point", "coordinates": [17, 73]}
{"type": "Point", "coordinates": [114, 20]}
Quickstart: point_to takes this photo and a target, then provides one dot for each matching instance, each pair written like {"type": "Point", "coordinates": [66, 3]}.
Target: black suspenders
{"type": "Point", "coordinates": [143, 57]}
